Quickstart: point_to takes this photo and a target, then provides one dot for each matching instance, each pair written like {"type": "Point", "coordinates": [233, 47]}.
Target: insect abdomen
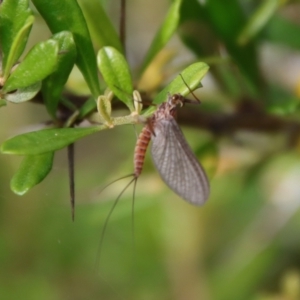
{"type": "Point", "coordinates": [140, 150]}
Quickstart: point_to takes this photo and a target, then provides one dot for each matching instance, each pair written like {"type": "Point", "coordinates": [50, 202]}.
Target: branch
{"type": "Point", "coordinates": [248, 116]}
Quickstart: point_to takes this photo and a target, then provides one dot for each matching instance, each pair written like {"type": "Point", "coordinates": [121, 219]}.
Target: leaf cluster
{"type": "Point", "coordinates": [46, 67]}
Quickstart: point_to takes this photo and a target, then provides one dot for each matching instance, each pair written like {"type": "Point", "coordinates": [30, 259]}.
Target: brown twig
{"type": "Point", "coordinates": [246, 117]}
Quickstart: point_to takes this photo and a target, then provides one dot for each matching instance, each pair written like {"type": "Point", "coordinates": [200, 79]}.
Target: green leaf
{"type": "Point", "coordinates": [276, 32]}
{"type": "Point", "coordinates": [15, 23]}
{"type": "Point", "coordinates": [46, 140]}
{"type": "Point", "coordinates": [223, 27]}
{"type": "Point", "coordinates": [102, 30]}
{"type": "Point", "coordinates": [17, 45]}
{"type": "Point", "coordinates": [23, 94]}
{"type": "Point", "coordinates": [67, 15]}
{"type": "Point", "coordinates": [165, 32]}
{"type": "Point", "coordinates": [258, 20]}
{"type": "Point", "coordinates": [115, 72]}
{"type": "Point", "coordinates": [192, 76]}
{"type": "Point", "coordinates": [33, 169]}
{"type": "Point", "coordinates": [281, 102]}
{"type": "Point", "coordinates": [88, 107]}
{"type": "Point", "coordinates": [38, 64]}
{"type": "Point", "coordinates": [53, 85]}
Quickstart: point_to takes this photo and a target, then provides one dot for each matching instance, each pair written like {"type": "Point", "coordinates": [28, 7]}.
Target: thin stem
{"type": "Point", "coordinates": [123, 24]}
{"type": "Point", "coordinates": [71, 178]}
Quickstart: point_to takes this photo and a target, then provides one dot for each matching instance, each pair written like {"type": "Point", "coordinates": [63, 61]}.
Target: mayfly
{"type": "Point", "coordinates": [172, 156]}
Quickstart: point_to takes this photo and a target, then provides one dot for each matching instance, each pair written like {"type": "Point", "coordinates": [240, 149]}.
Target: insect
{"type": "Point", "coordinates": [172, 156]}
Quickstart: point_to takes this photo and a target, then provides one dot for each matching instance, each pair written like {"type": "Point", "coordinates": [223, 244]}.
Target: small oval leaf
{"type": "Point", "coordinates": [33, 169]}
{"type": "Point", "coordinates": [46, 140]}
{"type": "Point", "coordinates": [192, 76]}
{"type": "Point", "coordinates": [38, 64]}
{"type": "Point", "coordinates": [116, 74]}
{"type": "Point", "coordinates": [23, 94]}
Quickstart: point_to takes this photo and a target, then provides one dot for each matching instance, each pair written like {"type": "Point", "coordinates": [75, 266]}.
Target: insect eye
{"type": "Point", "coordinates": [175, 99]}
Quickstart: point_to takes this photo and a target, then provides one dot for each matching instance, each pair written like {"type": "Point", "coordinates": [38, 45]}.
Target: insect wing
{"type": "Point", "coordinates": [177, 164]}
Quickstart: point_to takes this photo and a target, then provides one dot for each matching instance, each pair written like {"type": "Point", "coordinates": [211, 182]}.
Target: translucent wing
{"type": "Point", "coordinates": [177, 164]}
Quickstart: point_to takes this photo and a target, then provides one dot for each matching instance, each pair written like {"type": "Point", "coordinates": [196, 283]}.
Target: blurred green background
{"type": "Point", "coordinates": [242, 244]}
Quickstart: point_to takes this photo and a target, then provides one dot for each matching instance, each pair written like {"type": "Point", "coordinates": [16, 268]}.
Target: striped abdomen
{"type": "Point", "coordinates": [140, 150]}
